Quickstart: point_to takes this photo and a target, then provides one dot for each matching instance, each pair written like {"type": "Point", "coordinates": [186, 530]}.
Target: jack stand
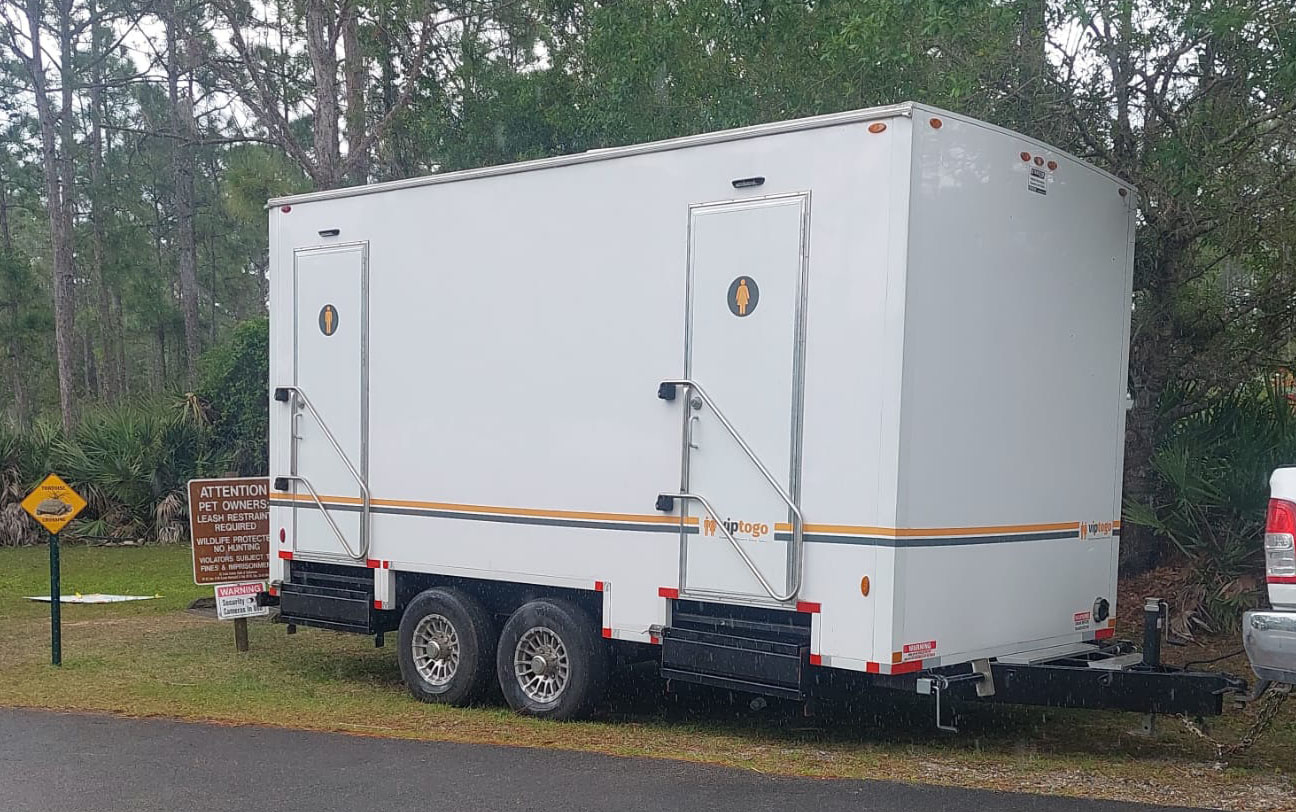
{"type": "Point", "coordinates": [378, 640]}
{"type": "Point", "coordinates": [1149, 726]}
{"type": "Point", "coordinates": [937, 684]}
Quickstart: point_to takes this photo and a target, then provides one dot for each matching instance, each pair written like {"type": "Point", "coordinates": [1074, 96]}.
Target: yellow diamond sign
{"type": "Point", "coordinates": [53, 503]}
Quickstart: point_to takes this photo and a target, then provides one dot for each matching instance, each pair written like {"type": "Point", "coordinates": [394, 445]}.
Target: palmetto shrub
{"type": "Point", "coordinates": [132, 463]}
{"type": "Point", "coordinates": [1213, 465]}
{"type": "Point", "coordinates": [24, 457]}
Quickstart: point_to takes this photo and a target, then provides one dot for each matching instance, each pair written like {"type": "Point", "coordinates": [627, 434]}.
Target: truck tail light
{"type": "Point", "coordinates": [1280, 542]}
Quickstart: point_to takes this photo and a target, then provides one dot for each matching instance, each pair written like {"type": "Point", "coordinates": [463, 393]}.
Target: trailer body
{"type": "Point", "coordinates": [862, 374]}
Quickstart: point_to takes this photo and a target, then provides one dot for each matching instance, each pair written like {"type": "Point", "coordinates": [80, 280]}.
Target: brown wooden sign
{"type": "Point", "coordinates": [229, 523]}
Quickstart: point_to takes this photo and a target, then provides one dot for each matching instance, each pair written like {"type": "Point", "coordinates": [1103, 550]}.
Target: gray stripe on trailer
{"type": "Point", "coordinates": [588, 524]}
{"type": "Point", "coordinates": [951, 541]}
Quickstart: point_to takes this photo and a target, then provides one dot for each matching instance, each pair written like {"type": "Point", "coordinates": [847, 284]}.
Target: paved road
{"type": "Point", "coordinates": [102, 764]}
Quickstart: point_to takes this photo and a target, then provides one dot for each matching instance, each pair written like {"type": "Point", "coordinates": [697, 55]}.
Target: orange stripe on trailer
{"type": "Point", "coordinates": [454, 507]}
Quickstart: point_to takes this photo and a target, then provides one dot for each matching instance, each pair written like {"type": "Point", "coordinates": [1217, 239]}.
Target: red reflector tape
{"type": "Point", "coordinates": [654, 639]}
{"type": "Point", "coordinates": [1103, 634]}
{"type": "Point", "coordinates": [907, 668]}
{"type": "Point", "coordinates": [286, 555]}
{"type": "Point", "coordinates": [810, 607]}
{"type": "Point", "coordinates": [872, 668]}
{"type": "Point", "coordinates": [816, 659]}
{"type": "Point", "coordinates": [607, 632]}
{"type": "Point", "coordinates": [274, 590]}
{"type": "Point", "coordinates": [1281, 579]}
{"type": "Point", "coordinates": [598, 586]}
{"type": "Point", "coordinates": [667, 592]}
{"type": "Point", "coordinates": [373, 563]}
{"type": "Point", "coordinates": [377, 604]}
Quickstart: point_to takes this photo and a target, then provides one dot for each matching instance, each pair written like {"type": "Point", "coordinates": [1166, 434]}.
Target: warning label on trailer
{"type": "Point", "coordinates": [229, 523]}
{"type": "Point", "coordinates": [918, 651]}
{"type": "Point", "coordinates": [1082, 620]}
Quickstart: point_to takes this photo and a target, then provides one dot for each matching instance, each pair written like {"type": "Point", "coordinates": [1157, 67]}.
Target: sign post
{"type": "Point", "coordinates": [54, 504]}
{"type": "Point", "coordinates": [229, 525]}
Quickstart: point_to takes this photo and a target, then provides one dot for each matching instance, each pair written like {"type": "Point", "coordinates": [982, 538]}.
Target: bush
{"type": "Point", "coordinates": [234, 397]}
{"type": "Point", "coordinates": [24, 462]}
{"type": "Point", "coordinates": [132, 465]}
{"type": "Point", "coordinates": [1213, 465]}
{"type": "Point", "coordinates": [132, 462]}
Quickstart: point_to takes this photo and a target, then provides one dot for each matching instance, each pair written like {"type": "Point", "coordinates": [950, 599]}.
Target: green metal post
{"type": "Point", "coordinates": [56, 622]}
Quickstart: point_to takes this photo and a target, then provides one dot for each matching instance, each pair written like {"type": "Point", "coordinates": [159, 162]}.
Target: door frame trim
{"type": "Point", "coordinates": [795, 428]}
{"type": "Point", "coordinates": [335, 248]}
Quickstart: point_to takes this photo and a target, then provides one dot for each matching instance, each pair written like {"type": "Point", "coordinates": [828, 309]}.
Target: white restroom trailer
{"type": "Point", "coordinates": [828, 397]}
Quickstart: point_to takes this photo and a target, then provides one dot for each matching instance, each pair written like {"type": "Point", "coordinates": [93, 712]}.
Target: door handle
{"type": "Point", "coordinates": [693, 423]}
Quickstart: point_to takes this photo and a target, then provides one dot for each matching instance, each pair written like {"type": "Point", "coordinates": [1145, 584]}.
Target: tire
{"type": "Point", "coordinates": [447, 645]}
{"type": "Point", "coordinates": [572, 671]}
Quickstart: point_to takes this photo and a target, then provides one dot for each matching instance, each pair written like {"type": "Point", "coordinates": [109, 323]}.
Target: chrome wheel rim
{"type": "Point", "coordinates": [541, 665]}
{"type": "Point", "coordinates": [436, 650]}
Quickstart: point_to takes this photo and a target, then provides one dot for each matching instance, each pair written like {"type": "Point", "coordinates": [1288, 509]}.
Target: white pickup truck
{"type": "Point", "coordinates": [1270, 636]}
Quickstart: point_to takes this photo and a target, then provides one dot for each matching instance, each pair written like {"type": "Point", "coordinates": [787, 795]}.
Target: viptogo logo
{"type": "Point", "coordinates": [1095, 530]}
{"type": "Point", "coordinates": [736, 527]}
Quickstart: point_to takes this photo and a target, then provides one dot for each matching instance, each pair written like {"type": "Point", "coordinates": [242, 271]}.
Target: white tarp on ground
{"type": "Point", "coordinates": [95, 597]}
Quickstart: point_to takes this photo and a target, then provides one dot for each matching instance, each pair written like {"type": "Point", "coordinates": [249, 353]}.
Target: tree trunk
{"type": "Point", "coordinates": [6, 234]}
{"type": "Point", "coordinates": [356, 78]}
{"type": "Point", "coordinates": [1033, 69]}
{"type": "Point", "coordinates": [161, 355]}
{"type": "Point", "coordinates": [119, 321]}
{"type": "Point", "coordinates": [321, 47]}
{"type": "Point", "coordinates": [58, 191]}
{"type": "Point", "coordinates": [108, 373]}
{"type": "Point", "coordinates": [182, 165]}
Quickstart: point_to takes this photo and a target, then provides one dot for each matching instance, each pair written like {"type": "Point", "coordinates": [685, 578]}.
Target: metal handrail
{"type": "Point", "coordinates": [733, 541]}
{"type": "Point", "coordinates": [327, 516]}
{"type": "Point", "coordinates": [794, 552]}
{"type": "Point", "coordinates": [297, 393]}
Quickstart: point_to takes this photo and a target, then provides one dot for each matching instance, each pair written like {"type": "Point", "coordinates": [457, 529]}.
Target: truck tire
{"type": "Point", "coordinates": [447, 643]}
{"type": "Point", "coordinates": [551, 662]}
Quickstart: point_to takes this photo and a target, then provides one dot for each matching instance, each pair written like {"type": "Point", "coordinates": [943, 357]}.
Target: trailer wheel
{"type": "Point", "coordinates": [551, 661]}
{"type": "Point", "coordinates": [447, 642]}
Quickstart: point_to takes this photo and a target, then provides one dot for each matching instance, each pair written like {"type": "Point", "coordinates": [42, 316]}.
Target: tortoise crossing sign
{"type": "Point", "coordinates": [53, 503]}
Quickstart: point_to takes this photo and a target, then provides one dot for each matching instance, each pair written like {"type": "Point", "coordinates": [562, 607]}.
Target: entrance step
{"type": "Point", "coordinates": [761, 651]}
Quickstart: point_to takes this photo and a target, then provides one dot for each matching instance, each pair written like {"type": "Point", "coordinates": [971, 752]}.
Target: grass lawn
{"type": "Point", "coordinates": [152, 658]}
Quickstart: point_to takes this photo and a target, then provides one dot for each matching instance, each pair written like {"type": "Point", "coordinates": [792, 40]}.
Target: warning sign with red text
{"type": "Point", "coordinates": [229, 523]}
{"type": "Point", "coordinates": [234, 601]}
{"type": "Point", "coordinates": [918, 651]}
